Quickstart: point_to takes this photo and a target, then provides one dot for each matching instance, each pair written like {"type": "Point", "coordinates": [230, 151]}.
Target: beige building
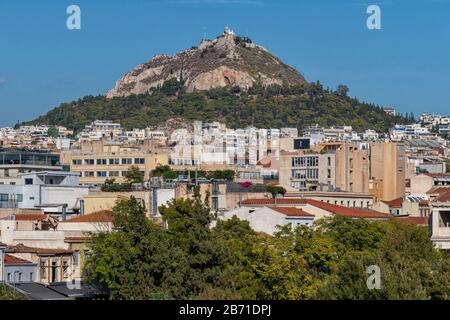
{"type": "Point", "coordinates": [113, 162]}
{"type": "Point", "coordinates": [387, 170]}
{"type": "Point", "coordinates": [422, 183]}
{"type": "Point", "coordinates": [352, 168]}
{"type": "Point", "coordinates": [307, 171]}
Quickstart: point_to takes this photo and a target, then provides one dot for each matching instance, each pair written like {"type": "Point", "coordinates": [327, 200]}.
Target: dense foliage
{"type": "Point", "coordinates": [190, 259]}
{"type": "Point", "coordinates": [167, 172]}
{"type": "Point", "coordinates": [7, 293]}
{"type": "Point", "coordinates": [275, 106]}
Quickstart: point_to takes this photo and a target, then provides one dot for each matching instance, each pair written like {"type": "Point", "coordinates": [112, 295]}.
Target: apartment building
{"type": "Point", "coordinates": [95, 167]}
{"type": "Point", "coordinates": [387, 170]}
{"type": "Point", "coordinates": [352, 168]}
{"type": "Point", "coordinates": [307, 171]}
{"type": "Point", "coordinates": [14, 162]}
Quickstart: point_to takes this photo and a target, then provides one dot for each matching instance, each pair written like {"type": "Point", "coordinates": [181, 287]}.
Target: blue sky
{"type": "Point", "coordinates": [405, 65]}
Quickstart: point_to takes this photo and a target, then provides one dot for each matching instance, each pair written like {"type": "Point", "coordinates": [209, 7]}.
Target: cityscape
{"type": "Point", "coordinates": [221, 173]}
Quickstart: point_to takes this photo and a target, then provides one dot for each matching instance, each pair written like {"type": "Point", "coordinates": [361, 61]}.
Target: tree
{"type": "Point", "coordinates": [134, 175]}
{"type": "Point", "coordinates": [7, 293]}
{"type": "Point", "coordinates": [53, 132]}
{"type": "Point", "coordinates": [275, 190]}
{"type": "Point", "coordinates": [342, 90]}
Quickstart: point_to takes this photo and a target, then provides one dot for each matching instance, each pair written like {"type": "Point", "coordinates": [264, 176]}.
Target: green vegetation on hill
{"type": "Point", "coordinates": [275, 106]}
{"type": "Point", "coordinates": [190, 260]}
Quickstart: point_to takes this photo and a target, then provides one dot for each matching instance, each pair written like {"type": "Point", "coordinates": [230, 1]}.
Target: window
{"type": "Point", "coordinates": [139, 161]}
{"type": "Point", "coordinates": [28, 181]}
{"type": "Point", "coordinates": [89, 174]}
{"type": "Point", "coordinates": [31, 276]}
{"type": "Point", "coordinates": [127, 161]}
{"type": "Point", "coordinates": [101, 174]}
{"type": "Point", "coordinates": [43, 269]}
{"type": "Point", "coordinates": [76, 256]}
{"type": "Point", "coordinates": [101, 162]}
{"type": "Point", "coordinates": [114, 173]}
{"type": "Point", "coordinates": [329, 161]}
{"type": "Point", "coordinates": [114, 161]}
{"type": "Point", "coordinates": [76, 162]}
{"type": "Point", "coordinates": [65, 269]}
{"type": "Point", "coordinates": [19, 197]}
{"type": "Point", "coordinates": [4, 197]}
{"type": "Point", "coordinates": [89, 162]}
{"type": "Point", "coordinates": [20, 277]}
{"type": "Point", "coordinates": [9, 277]}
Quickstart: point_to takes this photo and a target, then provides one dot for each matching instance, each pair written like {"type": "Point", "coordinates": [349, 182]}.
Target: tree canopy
{"type": "Point", "coordinates": [198, 256]}
{"type": "Point", "coordinates": [264, 107]}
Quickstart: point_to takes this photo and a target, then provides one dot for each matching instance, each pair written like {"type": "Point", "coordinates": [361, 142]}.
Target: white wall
{"type": "Point", "coordinates": [264, 219]}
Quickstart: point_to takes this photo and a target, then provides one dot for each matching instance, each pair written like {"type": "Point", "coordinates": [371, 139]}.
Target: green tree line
{"type": "Point", "coordinates": [198, 257]}
{"type": "Point", "coordinates": [274, 106]}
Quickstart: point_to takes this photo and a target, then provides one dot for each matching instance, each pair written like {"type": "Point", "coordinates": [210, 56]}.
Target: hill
{"type": "Point", "coordinates": [228, 60]}
{"type": "Point", "coordinates": [273, 106]}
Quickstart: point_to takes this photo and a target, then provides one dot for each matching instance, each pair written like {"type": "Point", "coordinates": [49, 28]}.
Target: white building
{"type": "Point", "coordinates": [266, 219]}
{"type": "Point", "coordinates": [51, 191]}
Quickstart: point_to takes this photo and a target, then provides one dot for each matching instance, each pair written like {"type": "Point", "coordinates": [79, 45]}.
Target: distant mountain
{"type": "Point", "coordinates": [228, 60]}
{"type": "Point", "coordinates": [228, 79]}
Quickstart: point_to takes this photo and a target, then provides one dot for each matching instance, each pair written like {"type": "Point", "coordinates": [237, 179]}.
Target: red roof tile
{"type": "Point", "coordinates": [438, 190]}
{"type": "Point", "coordinates": [30, 217]}
{"type": "Point", "coordinates": [21, 248]}
{"type": "Point", "coordinates": [421, 221]}
{"type": "Point", "coordinates": [444, 197]}
{"type": "Point", "coordinates": [438, 175]}
{"type": "Point", "coordinates": [11, 260]}
{"type": "Point", "coordinates": [292, 212]}
{"type": "Point", "coordinates": [101, 216]}
{"type": "Point", "coordinates": [349, 212]}
{"type": "Point", "coordinates": [396, 203]}
{"type": "Point", "coordinates": [280, 201]}
{"type": "Point", "coordinates": [344, 211]}
{"type": "Point", "coordinates": [76, 239]}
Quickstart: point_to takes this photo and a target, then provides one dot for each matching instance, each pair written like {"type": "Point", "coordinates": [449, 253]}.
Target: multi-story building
{"type": "Point", "coordinates": [13, 162]}
{"type": "Point", "coordinates": [54, 192]}
{"type": "Point", "coordinates": [352, 168]}
{"type": "Point", "coordinates": [387, 170]}
{"type": "Point", "coordinates": [95, 167]}
{"type": "Point", "coordinates": [307, 171]}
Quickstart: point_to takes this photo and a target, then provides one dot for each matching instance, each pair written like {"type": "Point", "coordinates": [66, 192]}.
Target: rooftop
{"type": "Point", "coordinates": [292, 212]}
{"type": "Point", "coordinates": [105, 216]}
{"type": "Point", "coordinates": [21, 248]}
{"type": "Point", "coordinates": [340, 210]}
{"type": "Point", "coordinates": [396, 203]}
{"type": "Point", "coordinates": [11, 260]}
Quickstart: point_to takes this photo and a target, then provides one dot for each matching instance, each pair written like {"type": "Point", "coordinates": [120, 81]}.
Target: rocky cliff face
{"type": "Point", "coordinates": [228, 60]}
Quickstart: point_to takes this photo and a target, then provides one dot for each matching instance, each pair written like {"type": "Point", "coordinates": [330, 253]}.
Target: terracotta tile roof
{"type": "Point", "coordinates": [11, 260]}
{"type": "Point", "coordinates": [438, 190]}
{"type": "Point", "coordinates": [396, 203]}
{"type": "Point", "coordinates": [349, 212]}
{"type": "Point", "coordinates": [444, 197]}
{"type": "Point", "coordinates": [421, 221]}
{"type": "Point", "coordinates": [438, 175]}
{"type": "Point", "coordinates": [344, 211]}
{"type": "Point", "coordinates": [21, 248]}
{"type": "Point", "coordinates": [280, 201]}
{"type": "Point", "coordinates": [30, 217]}
{"type": "Point", "coordinates": [291, 211]}
{"type": "Point", "coordinates": [76, 239]}
{"type": "Point", "coordinates": [101, 216]}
